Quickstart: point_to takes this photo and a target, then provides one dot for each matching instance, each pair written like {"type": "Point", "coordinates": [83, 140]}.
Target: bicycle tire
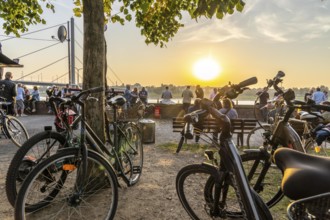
{"type": "Point", "coordinates": [132, 145]}
{"type": "Point", "coordinates": [15, 130]}
{"type": "Point", "coordinates": [33, 147]}
{"type": "Point", "coordinates": [310, 148]}
{"type": "Point", "coordinates": [193, 205]}
{"type": "Point", "coordinates": [94, 192]}
{"type": "Point", "coordinates": [255, 137]}
{"type": "Point", "coordinates": [272, 179]}
{"type": "Point", "coordinates": [254, 165]}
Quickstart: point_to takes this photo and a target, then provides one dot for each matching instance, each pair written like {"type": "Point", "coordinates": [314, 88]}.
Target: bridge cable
{"type": "Point", "coordinates": [9, 38]}
{"type": "Point", "coordinates": [60, 77]}
{"type": "Point", "coordinates": [38, 50]}
{"type": "Point", "coordinates": [115, 74]}
{"type": "Point", "coordinates": [43, 67]}
{"type": "Point", "coordinates": [27, 38]}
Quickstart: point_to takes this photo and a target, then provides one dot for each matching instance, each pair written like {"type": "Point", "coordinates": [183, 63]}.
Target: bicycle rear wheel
{"type": "Point", "coordinates": [15, 130]}
{"type": "Point", "coordinates": [46, 194]}
{"type": "Point", "coordinates": [131, 144]}
{"type": "Point", "coordinates": [36, 149]}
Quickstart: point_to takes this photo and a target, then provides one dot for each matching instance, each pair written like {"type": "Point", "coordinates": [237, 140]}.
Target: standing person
{"type": "Point", "coordinates": [9, 92]}
{"type": "Point", "coordinates": [263, 98]}
{"type": "Point", "coordinates": [134, 96]}
{"type": "Point", "coordinates": [166, 95]}
{"type": "Point", "coordinates": [20, 100]}
{"type": "Point", "coordinates": [213, 93]}
{"type": "Point", "coordinates": [143, 95]}
{"type": "Point", "coordinates": [318, 96]}
{"type": "Point", "coordinates": [35, 98]}
{"type": "Point", "coordinates": [199, 92]}
{"type": "Point", "coordinates": [187, 95]}
{"type": "Point", "coordinates": [127, 95]}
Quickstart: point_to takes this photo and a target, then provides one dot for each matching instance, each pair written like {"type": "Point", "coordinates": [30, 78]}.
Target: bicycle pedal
{"type": "Point", "coordinates": [137, 169]}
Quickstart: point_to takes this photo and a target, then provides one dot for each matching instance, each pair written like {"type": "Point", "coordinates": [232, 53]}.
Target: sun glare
{"type": "Point", "coordinates": [206, 69]}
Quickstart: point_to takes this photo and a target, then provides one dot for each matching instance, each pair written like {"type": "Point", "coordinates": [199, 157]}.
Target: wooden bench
{"type": "Point", "coordinates": [240, 126]}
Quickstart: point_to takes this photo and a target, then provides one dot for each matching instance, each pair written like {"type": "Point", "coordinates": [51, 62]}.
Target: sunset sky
{"type": "Point", "coordinates": [269, 35]}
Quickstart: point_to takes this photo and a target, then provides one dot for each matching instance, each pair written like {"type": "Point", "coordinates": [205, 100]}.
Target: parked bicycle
{"type": "Point", "coordinates": [208, 191]}
{"type": "Point", "coordinates": [73, 182]}
{"type": "Point", "coordinates": [10, 126]}
{"type": "Point", "coordinates": [42, 145]}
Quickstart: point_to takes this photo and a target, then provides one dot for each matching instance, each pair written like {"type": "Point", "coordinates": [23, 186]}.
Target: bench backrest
{"type": "Point", "coordinates": [239, 125]}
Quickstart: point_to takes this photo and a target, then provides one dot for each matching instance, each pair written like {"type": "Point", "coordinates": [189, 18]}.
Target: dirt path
{"type": "Point", "coordinates": [154, 197]}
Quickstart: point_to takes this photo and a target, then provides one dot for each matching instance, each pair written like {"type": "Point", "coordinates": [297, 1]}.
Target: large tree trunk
{"type": "Point", "coordinates": [94, 61]}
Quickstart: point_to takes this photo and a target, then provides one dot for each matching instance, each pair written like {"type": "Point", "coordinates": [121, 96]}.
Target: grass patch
{"type": "Point", "coordinates": [194, 148]}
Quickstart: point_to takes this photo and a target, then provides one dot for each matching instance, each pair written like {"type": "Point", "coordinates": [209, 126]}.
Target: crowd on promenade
{"type": "Point", "coordinates": [20, 100]}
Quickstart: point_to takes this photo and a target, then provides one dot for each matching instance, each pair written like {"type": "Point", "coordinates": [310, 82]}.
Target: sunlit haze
{"type": "Point", "coordinates": [292, 36]}
{"type": "Point", "coordinates": [206, 69]}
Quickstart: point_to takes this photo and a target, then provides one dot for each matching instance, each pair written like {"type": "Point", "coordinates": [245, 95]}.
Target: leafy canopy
{"type": "Point", "coordinates": [159, 20]}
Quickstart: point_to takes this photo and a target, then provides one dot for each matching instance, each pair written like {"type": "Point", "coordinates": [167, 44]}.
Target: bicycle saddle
{"type": "Point", "coordinates": [304, 175]}
{"type": "Point", "coordinates": [117, 100]}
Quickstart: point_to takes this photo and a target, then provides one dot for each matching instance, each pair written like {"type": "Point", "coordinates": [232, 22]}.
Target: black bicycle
{"type": "Point", "coordinates": [42, 145]}
{"type": "Point", "coordinates": [10, 126]}
{"type": "Point", "coordinates": [74, 181]}
{"type": "Point", "coordinates": [208, 191]}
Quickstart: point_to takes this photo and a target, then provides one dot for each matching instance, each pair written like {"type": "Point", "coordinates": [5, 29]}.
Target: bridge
{"type": "Point", "coordinates": [38, 83]}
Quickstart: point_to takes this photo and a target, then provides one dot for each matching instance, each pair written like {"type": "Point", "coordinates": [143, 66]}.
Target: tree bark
{"type": "Point", "coordinates": [94, 62]}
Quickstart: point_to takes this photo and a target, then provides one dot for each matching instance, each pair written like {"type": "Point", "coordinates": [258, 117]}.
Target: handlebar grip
{"type": "Point", "coordinates": [279, 75]}
{"type": "Point", "coordinates": [251, 81]}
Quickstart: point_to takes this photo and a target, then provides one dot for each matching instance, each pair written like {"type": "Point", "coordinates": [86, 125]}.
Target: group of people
{"type": "Point", "coordinates": [19, 96]}
{"type": "Point", "coordinates": [132, 96]}
{"type": "Point", "coordinates": [66, 92]}
{"type": "Point", "coordinates": [317, 95]}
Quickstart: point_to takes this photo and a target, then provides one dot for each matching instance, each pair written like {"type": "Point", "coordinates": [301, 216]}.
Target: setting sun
{"type": "Point", "coordinates": [206, 69]}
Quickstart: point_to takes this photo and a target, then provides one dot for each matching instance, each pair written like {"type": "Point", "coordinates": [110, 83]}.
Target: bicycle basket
{"type": "Point", "coordinates": [315, 207]}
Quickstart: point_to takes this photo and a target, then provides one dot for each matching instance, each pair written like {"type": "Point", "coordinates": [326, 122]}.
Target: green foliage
{"type": "Point", "coordinates": [159, 20]}
{"type": "Point", "coordinates": [19, 14]}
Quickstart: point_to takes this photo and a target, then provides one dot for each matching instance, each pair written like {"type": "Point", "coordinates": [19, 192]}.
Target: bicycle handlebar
{"type": "Point", "coordinates": [86, 93]}
{"type": "Point", "coordinates": [232, 91]}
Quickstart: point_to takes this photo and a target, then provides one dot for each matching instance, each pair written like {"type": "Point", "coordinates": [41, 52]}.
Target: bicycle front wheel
{"type": "Point", "coordinates": [195, 189]}
{"type": "Point", "coordinates": [264, 176]}
{"type": "Point", "coordinates": [255, 138]}
{"type": "Point", "coordinates": [16, 130]}
{"type": "Point", "coordinates": [311, 147]}
{"type": "Point", "coordinates": [36, 149]}
{"type": "Point", "coordinates": [56, 189]}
